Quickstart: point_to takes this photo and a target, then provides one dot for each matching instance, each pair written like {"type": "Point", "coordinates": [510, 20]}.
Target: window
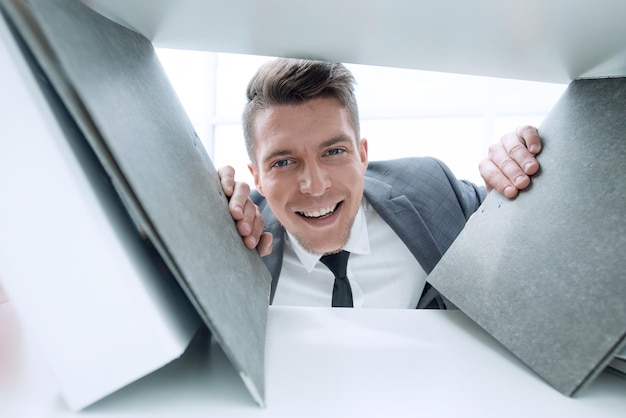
{"type": "Point", "coordinates": [403, 112]}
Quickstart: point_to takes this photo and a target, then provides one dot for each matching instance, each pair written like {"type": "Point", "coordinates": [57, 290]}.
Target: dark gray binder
{"type": "Point", "coordinates": [544, 273]}
{"type": "Point", "coordinates": [111, 82]}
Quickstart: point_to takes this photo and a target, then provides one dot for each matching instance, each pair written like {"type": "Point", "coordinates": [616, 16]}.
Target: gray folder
{"type": "Point", "coordinates": [544, 273]}
{"type": "Point", "coordinates": [111, 82]}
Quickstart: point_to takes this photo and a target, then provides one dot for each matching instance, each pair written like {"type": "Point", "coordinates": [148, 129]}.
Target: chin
{"type": "Point", "coordinates": [327, 250]}
{"type": "Point", "coordinates": [321, 246]}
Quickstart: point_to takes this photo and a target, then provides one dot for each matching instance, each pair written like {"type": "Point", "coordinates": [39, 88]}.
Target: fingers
{"type": "Point", "coordinates": [246, 215]}
{"type": "Point", "coordinates": [248, 219]}
{"type": "Point", "coordinates": [265, 244]}
{"type": "Point", "coordinates": [521, 146]}
{"type": "Point", "coordinates": [239, 202]}
{"type": "Point", "coordinates": [227, 178]}
{"type": "Point", "coordinates": [505, 160]}
{"type": "Point", "coordinates": [495, 179]}
{"type": "Point", "coordinates": [237, 192]}
{"type": "Point", "coordinates": [531, 137]}
{"type": "Point", "coordinates": [255, 237]}
{"type": "Point", "coordinates": [245, 212]}
{"type": "Point", "coordinates": [511, 162]}
{"type": "Point", "coordinates": [251, 222]}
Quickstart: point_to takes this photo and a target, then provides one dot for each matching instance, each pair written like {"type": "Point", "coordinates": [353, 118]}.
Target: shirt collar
{"type": "Point", "coordinates": [358, 243]}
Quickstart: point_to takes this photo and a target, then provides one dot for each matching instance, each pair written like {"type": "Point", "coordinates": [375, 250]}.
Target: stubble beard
{"type": "Point", "coordinates": [342, 236]}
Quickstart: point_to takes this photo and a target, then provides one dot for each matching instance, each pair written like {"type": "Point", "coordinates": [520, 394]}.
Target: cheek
{"type": "Point", "coordinates": [267, 184]}
{"type": "Point", "coordinates": [270, 188]}
{"type": "Point", "coordinates": [353, 177]}
{"type": "Point", "coordinates": [355, 182]}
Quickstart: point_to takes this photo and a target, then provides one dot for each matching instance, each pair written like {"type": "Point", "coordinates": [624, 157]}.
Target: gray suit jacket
{"type": "Point", "coordinates": [419, 198]}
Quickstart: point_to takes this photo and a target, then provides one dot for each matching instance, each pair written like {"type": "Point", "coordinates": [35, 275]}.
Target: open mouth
{"type": "Point", "coordinates": [320, 214]}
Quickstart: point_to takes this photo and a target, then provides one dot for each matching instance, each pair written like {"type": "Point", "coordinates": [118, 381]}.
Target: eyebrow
{"type": "Point", "coordinates": [328, 143]}
{"type": "Point", "coordinates": [335, 140]}
{"type": "Point", "coordinates": [278, 153]}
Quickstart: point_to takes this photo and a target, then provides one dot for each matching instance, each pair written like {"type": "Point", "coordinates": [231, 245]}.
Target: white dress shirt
{"type": "Point", "coordinates": [382, 271]}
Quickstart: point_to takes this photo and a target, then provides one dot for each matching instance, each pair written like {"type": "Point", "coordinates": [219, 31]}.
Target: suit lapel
{"type": "Point", "coordinates": [401, 215]}
{"type": "Point", "coordinates": [274, 260]}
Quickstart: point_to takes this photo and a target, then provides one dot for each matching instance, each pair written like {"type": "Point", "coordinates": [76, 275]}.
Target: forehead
{"type": "Point", "coordinates": [308, 120]}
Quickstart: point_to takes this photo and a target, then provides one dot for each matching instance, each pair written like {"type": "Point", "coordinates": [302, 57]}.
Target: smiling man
{"type": "Point", "coordinates": [319, 195]}
{"type": "Point", "coordinates": [310, 167]}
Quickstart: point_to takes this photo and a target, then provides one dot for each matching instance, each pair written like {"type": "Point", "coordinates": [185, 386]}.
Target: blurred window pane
{"type": "Point", "coordinates": [403, 112]}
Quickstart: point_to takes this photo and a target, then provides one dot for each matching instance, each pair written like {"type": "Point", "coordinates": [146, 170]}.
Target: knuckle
{"type": "Point", "coordinates": [507, 163]}
{"type": "Point", "coordinates": [517, 149]}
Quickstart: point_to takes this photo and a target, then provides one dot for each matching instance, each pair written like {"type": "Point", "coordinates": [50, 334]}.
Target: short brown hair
{"type": "Point", "coordinates": [286, 81]}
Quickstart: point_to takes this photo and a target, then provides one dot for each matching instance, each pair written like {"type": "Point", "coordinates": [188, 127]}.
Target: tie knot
{"type": "Point", "coordinates": [337, 262]}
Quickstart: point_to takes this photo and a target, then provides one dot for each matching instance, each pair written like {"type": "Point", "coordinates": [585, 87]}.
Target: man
{"type": "Point", "coordinates": [319, 195]}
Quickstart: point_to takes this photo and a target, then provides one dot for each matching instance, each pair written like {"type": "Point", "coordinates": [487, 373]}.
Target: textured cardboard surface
{"type": "Point", "coordinates": [112, 83]}
{"type": "Point", "coordinates": [544, 273]}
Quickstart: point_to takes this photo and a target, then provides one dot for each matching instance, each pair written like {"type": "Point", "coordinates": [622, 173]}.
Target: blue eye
{"type": "Point", "coordinates": [335, 151]}
{"type": "Point", "coordinates": [282, 163]}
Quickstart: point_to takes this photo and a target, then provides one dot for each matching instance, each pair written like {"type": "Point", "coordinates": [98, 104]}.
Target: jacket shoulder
{"type": "Point", "coordinates": [427, 181]}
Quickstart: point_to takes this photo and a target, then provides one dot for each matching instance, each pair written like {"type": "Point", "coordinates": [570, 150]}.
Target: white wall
{"type": "Point", "coordinates": [403, 112]}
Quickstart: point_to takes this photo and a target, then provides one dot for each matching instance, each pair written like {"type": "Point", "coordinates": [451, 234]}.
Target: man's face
{"type": "Point", "coordinates": [310, 168]}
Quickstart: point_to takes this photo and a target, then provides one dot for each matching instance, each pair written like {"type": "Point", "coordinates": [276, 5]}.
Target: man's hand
{"type": "Point", "coordinates": [510, 162]}
{"type": "Point", "coordinates": [245, 213]}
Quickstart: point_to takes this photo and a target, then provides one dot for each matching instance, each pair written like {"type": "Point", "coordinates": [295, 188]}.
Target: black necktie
{"type": "Point", "coordinates": [342, 293]}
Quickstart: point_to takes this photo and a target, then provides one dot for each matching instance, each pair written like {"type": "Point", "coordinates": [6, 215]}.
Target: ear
{"type": "Point", "coordinates": [363, 152]}
{"type": "Point", "coordinates": [255, 175]}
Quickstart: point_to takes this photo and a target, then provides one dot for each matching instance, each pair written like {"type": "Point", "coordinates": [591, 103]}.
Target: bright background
{"type": "Point", "coordinates": [403, 112]}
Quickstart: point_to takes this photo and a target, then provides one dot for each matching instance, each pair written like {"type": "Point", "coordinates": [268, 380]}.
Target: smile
{"type": "Point", "coordinates": [319, 213]}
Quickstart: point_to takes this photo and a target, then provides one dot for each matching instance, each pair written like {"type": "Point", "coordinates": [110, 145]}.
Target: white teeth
{"type": "Point", "coordinates": [319, 213]}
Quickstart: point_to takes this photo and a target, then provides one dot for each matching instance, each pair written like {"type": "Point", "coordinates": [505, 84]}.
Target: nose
{"type": "Point", "coordinates": [314, 180]}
